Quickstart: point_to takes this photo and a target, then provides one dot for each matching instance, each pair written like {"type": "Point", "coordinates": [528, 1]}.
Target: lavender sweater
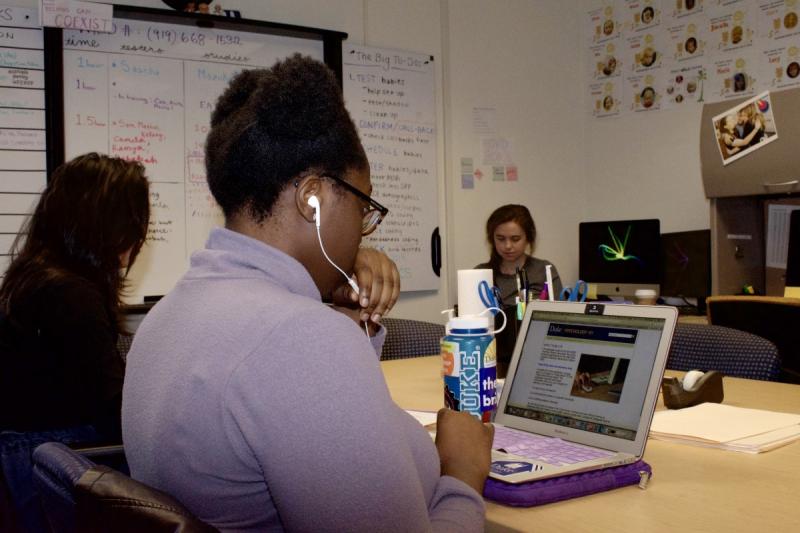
{"type": "Point", "coordinates": [260, 408]}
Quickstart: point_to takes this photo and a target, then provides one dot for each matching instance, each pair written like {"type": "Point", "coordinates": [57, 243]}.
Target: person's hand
{"type": "Point", "coordinates": [465, 447]}
{"type": "Point", "coordinates": [379, 283]}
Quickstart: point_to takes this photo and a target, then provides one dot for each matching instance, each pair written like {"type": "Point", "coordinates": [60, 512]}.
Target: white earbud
{"type": "Point", "coordinates": [313, 201]}
{"type": "Point", "coordinates": [691, 378]}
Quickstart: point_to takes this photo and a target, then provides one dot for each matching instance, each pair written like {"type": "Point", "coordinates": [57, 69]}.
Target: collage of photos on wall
{"type": "Point", "coordinates": [648, 55]}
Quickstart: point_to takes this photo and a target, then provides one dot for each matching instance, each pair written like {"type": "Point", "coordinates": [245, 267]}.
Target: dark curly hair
{"type": "Point", "coordinates": [94, 209]}
{"type": "Point", "coordinates": [509, 213]}
{"type": "Point", "coordinates": [273, 125]}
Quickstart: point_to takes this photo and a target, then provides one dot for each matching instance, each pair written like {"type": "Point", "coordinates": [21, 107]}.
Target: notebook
{"type": "Point", "coordinates": [581, 388]}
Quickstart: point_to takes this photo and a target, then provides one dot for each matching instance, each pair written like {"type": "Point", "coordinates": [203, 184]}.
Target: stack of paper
{"type": "Point", "coordinates": [715, 425]}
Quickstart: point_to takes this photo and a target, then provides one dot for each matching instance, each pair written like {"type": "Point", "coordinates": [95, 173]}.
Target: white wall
{"type": "Point", "coordinates": [646, 165]}
{"type": "Point", "coordinates": [526, 59]}
{"type": "Point", "coordinates": [520, 57]}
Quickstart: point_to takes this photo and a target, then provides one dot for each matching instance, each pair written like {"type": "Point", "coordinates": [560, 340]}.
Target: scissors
{"type": "Point", "coordinates": [490, 296]}
{"type": "Point", "coordinates": [576, 294]}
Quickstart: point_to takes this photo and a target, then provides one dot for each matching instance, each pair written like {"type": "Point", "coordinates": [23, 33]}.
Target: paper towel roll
{"type": "Point", "coordinates": [469, 300]}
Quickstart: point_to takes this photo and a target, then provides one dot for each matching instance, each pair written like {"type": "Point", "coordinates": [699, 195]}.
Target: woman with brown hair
{"type": "Point", "coordinates": [511, 234]}
{"type": "Point", "coordinates": [60, 298]}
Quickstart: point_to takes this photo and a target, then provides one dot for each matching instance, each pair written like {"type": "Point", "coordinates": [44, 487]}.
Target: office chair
{"type": "Point", "coordinates": [20, 508]}
{"type": "Point", "coordinates": [729, 351]}
{"type": "Point", "coordinates": [124, 342]}
{"type": "Point", "coordinates": [79, 495]}
{"type": "Point", "coordinates": [772, 317]}
{"type": "Point", "coordinates": [410, 338]}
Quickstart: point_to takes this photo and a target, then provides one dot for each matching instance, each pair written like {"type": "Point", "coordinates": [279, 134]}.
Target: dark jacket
{"type": "Point", "coordinates": [59, 365]}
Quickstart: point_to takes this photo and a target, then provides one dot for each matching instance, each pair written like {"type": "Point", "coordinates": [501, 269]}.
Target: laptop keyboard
{"type": "Point", "coordinates": [550, 450]}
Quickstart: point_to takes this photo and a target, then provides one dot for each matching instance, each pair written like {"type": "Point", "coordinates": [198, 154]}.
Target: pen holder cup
{"type": "Point", "coordinates": [707, 389]}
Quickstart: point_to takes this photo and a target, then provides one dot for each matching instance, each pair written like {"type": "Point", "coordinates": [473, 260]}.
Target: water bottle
{"type": "Point", "coordinates": [470, 366]}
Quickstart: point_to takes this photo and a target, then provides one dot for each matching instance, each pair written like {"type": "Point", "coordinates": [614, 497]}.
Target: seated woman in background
{"type": "Point", "coordinates": [247, 398]}
{"type": "Point", "coordinates": [511, 233]}
{"type": "Point", "coordinates": [60, 298]}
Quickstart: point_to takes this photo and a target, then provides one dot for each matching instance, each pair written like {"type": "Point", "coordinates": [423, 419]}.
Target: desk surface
{"type": "Point", "coordinates": [693, 489]}
{"type": "Point", "coordinates": [693, 319]}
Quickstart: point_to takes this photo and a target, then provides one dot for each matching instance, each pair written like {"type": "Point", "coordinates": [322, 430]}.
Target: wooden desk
{"type": "Point", "coordinates": [693, 319]}
{"type": "Point", "coordinates": [692, 489]}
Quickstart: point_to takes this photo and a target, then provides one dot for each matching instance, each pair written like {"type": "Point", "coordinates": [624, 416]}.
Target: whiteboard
{"type": "Point", "coordinates": [22, 122]}
{"type": "Point", "coordinates": [391, 96]}
{"type": "Point", "coordinates": [145, 93]}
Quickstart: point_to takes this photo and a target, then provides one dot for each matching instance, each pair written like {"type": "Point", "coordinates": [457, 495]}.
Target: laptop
{"type": "Point", "coordinates": [581, 388]}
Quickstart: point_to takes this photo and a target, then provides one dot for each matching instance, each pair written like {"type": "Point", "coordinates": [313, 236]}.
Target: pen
{"type": "Point", "coordinates": [525, 285]}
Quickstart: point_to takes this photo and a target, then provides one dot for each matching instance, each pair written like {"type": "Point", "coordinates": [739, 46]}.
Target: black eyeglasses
{"type": "Point", "coordinates": [373, 213]}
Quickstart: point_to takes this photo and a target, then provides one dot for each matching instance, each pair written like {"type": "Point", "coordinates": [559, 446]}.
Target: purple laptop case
{"type": "Point", "coordinates": [565, 487]}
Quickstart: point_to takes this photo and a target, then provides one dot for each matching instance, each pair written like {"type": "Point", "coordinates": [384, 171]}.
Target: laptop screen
{"type": "Point", "coordinates": [587, 372]}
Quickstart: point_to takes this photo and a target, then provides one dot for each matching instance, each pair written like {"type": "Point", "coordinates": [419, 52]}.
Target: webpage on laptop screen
{"type": "Point", "coordinates": [586, 372]}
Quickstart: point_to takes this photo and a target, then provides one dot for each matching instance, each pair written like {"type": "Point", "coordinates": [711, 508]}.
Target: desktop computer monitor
{"type": "Point", "coordinates": [686, 266]}
{"type": "Point", "coordinates": [618, 257]}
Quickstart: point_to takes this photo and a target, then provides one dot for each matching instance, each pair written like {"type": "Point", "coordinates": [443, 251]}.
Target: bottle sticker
{"type": "Point", "coordinates": [470, 379]}
{"type": "Point", "coordinates": [451, 393]}
{"type": "Point", "coordinates": [451, 364]}
{"type": "Point", "coordinates": [490, 355]}
{"type": "Point", "coordinates": [488, 390]}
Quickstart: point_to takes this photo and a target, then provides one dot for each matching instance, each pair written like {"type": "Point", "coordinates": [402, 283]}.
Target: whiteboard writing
{"type": "Point", "coordinates": [22, 122]}
{"type": "Point", "coordinates": [76, 15]}
{"type": "Point", "coordinates": [145, 92]}
{"type": "Point", "coordinates": [391, 97]}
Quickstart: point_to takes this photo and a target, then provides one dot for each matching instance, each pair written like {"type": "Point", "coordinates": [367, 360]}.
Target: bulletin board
{"type": "Point", "coordinates": [145, 92]}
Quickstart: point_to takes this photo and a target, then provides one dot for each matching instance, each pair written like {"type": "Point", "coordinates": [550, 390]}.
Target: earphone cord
{"type": "Point", "coordinates": [348, 278]}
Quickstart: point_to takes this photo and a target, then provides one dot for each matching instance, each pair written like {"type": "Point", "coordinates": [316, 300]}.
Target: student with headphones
{"type": "Point", "coordinates": [246, 397]}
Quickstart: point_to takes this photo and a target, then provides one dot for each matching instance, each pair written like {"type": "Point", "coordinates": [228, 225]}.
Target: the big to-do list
{"type": "Point", "coordinates": [391, 96]}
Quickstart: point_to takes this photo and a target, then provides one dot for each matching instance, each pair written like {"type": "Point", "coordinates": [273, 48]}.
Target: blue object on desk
{"type": "Point", "coordinates": [490, 296]}
{"type": "Point", "coordinates": [576, 294]}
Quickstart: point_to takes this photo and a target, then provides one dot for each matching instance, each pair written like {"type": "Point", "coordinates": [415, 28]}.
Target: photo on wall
{"type": "Point", "coordinates": [745, 128]}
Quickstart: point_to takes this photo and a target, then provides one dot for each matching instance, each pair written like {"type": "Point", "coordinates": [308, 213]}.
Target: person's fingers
{"type": "Point", "coordinates": [380, 282]}
{"type": "Point", "coordinates": [389, 289]}
{"type": "Point", "coordinates": [365, 277]}
{"type": "Point", "coordinates": [344, 295]}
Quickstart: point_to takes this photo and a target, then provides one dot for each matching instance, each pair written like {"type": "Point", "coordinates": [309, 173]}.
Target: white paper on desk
{"type": "Point", "coordinates": [756, 444]}
{"type": "Point", "coordinates": [766, 441]}
{"type": "Point", "coordinates": [425, 418]}
{"type": "Point", "coordinates": [715, 422]}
